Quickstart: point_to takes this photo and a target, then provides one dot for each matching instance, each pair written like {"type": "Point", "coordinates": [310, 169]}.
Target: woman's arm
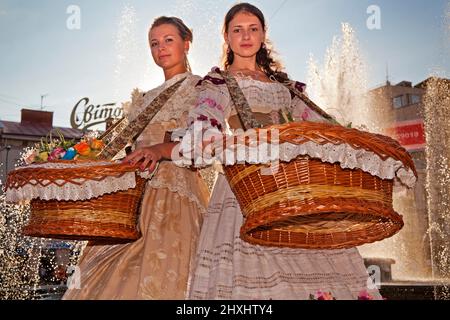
{"type": "Point", "coordinates": [207, 121]}
{"type": "Point", "coordinates": [148, 157]}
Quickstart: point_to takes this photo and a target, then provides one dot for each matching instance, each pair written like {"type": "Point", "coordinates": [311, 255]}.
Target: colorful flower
{"type": "Point", "coordinates": [83, 148]}
{"type": "Point", "coordinates": [70, 154]}
{"type": "Point", "coordinates": [30, 156]}
{"type": "Point", "coordinates": [320, 295]}
{"type": "Point", "coordinates": [50, 149]}
{"type": "Point", "coordinates": [364, 295]}
{"type": "Point", "coordinates": [305, 115]}
{"type": "Point", "coordinates": [97, 144]}
{"type": "Point", "coordinates": [43, 156]}
{"type": "Point", "coordinates": [56, 154]}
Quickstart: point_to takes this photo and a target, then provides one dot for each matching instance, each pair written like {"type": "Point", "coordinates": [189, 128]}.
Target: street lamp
{"type": "Point", "coordinates": [8, 147]}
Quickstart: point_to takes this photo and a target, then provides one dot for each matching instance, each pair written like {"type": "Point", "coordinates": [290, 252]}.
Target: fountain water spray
{"type": "Point", "coordinates": [133, 60]}
{"type": "Point", "coordinates": [21, 257]}
{"type": "Point", "coordinates": [437, 129]}
{"type": "Point", "coordinates": [340, 84]}
{"type": "Point", "coordinates": [340, 87]}
{"type": "Point", "coordinates": [437, 126]}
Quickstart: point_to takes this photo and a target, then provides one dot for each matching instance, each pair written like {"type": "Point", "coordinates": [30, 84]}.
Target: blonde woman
{"type": "Point", "coordinates": [158, 265]}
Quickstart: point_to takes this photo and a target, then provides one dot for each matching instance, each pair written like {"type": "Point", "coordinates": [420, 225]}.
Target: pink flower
{"type": "Point", "coordinates": [305, 115]}
{"type": "Point", "coordinates": [56, 154]}
{"type": "Point", "coordinates": [210, 103]}
{"type": "Point", "coordinates": [364, 295]}
{"type": "Point", "coordinates": [323, 296]}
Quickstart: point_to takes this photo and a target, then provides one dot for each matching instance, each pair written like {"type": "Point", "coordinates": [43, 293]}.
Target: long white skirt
{"type": "Point", "coordinates": [229, 268]}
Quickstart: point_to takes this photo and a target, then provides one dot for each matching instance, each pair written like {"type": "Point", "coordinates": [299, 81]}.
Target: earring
{"type": "Point", "coordinates": [228, 50]}
{"type": "Point", "coordinates": [264, 46]}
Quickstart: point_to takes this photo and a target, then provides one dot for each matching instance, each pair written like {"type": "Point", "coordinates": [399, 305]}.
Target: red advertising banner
{"type": "Point", "coordinates": [410, 134]}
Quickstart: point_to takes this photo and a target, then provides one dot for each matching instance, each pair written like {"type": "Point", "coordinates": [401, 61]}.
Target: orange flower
{"type": "Point", "coordinates": [97, 144]}
{"type": "Point", "coordinates": [320, 295]}
{"type": "Point", "coordinates": [83, 148]}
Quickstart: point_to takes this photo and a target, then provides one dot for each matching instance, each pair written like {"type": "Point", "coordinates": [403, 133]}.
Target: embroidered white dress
{"type": "Point", "coordinates": [158, 265]}
{"type": "Point", "coordinates": [229, 268]}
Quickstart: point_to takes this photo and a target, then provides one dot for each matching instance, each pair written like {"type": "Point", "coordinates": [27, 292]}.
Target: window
{"type": "Point", "coordinates": [400, 101]}
{"type": "Point", "coordinates": [406, 100]}
{"type": "Point", "coordinates": [415, 98]}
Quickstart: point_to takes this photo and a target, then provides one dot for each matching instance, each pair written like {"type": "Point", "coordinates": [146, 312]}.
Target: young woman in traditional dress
{"type": "Point", "coordinates": [227, 267]}
{"type": "Point", "coordinates": [158, 265]}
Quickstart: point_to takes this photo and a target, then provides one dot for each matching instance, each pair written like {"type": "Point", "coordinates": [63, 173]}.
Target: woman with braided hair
{"type": "Point", "coordinates": [226, 266]}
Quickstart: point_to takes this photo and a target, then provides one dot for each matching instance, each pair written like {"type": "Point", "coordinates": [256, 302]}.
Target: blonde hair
{"type": "Point", "coordinates": [185, 33]}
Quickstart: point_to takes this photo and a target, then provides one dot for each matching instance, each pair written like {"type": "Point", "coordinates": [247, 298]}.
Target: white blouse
{"type": "Point", "coordinates": [215, 107]}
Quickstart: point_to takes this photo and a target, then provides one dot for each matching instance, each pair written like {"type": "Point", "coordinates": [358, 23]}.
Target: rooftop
{"type": "Point", "coordinates": [36, 130]}
{"type": "Point", "coordinates": [36, 123]}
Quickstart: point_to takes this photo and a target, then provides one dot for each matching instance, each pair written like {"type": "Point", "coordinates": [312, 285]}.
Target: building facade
{"type": "Point", "coordinates": [404, 103]}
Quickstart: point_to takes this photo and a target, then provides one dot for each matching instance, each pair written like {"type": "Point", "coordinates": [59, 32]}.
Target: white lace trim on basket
{"type": "Point", "coordinates": [83, 189]}
{"type": "Point", "coordinates": [87, 189]}
{"type": "Point", "coordinates": [344, 154]}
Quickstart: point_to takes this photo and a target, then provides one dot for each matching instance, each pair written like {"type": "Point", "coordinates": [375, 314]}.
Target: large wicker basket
{"type": "Point", "coordinates": [108, 218]}
{"type": "Point", "coordinates": [310, 203]}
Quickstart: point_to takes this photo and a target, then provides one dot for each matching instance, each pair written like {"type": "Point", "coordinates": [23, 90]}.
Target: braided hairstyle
{"type": "Point", "coordinates": [185, 33]}
{"type": "Point", "coordinates": [271, 67]}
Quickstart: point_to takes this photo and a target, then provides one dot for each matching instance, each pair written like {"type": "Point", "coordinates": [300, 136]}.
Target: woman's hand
{"type": "Point", "coordinates": [148, 157]}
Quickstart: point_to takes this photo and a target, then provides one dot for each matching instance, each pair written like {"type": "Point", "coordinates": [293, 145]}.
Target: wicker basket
{"type": "Point", "coordinates": [308, 203]}
{"type": "Point", "coordinates": [110, 218]}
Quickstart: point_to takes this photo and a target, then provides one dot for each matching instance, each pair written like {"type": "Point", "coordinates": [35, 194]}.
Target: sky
{"type": "Point", "coordinates": [68, 50]}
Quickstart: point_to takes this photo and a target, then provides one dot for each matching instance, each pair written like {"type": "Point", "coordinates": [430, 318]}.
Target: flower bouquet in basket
{"type": "Point", "coordinates": [75, 194]}
{"type": "Point", "coordinates": [50, 149]}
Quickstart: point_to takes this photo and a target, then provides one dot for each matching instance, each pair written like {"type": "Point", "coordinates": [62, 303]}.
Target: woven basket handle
{"type": "Point", "coordinates": [114, 130]}
{"type": "Point", "coordinates": [243, 109]}
{"type": "Point", "coordinates": [133, 129]}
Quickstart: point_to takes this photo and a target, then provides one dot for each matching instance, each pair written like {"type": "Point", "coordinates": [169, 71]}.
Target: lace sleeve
{"type": "Point", "coordinates": [213, 105]}
{"type": "Point", "coordinates": [207, 119]}
{"type": "Point", "coordinates": [134, 107]}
